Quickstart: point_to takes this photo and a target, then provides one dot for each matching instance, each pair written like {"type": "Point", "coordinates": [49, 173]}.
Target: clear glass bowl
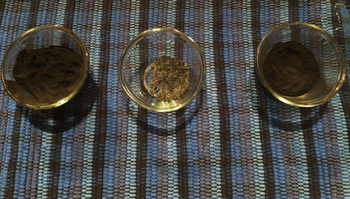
{"type": "Point", "coordinates": [42, 37]}
{"type": "Point", "coordinates": [140, 53]}
{"type": "Point", "coordinates": [328, 55]}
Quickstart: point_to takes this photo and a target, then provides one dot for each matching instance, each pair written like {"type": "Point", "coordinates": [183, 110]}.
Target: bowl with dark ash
{"type": "Point", "coordinates": [300, 64]}
{"type": "Point", "coordinates": [45, 67]}
{"type": "Point", "coordinates": [162, 69]}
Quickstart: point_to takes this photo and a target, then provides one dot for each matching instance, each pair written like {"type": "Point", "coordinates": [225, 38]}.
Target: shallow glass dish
{"type": "Point", "coordinates": [143, 49]}
{"type": "Point", "coordinates": [42, 37]}
{"type": "Point", "coordinates": [328, 55]}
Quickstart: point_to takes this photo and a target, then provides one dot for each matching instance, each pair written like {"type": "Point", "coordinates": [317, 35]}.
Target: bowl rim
{"type": "Point", "coordinates": [71, 95]}
{"type": "Point", "coordinates": [330, 95]}
{"type": "Point", "coordinates": [137, 38]}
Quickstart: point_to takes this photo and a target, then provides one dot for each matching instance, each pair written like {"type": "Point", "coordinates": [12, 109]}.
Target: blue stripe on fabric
{"type": "Point", "coordinates": [152, 157]}
{"type": "Point", "coordinates": [65, 173]}
{"type": "Point", "coordinates": [172, 153]}
{"type": "Point", "coordinates": [284, 12]}
{"type": "Point", "coordinates": [228, 19]}
{"type": "Point", "coordinates": [11, 106]}
{"type": "Point", "coordinates": [301, 164]}
{"type": "Point", "coordinates": [264, 18]}
{"type": "Point", "coordinates": [171, 13]}
{"type": "Point", "coordinates": [303, 11]}
{"type": "Point", "coordinates": [6, 22]}
{"type": "Point", "coordinates": [321, 157]}
{"type": "Point", "coordinates": [24, 17]}
{"type": "Point", "coordinates": [300, 153]}
{"type": "Point", "coordinates": [95, 59]}
{"type": "Point", "coordinates": [12, 18]}
{"type": "Point", "coordinates": [22, 157]}
{"type": "Point", "coordinates": [134, 19]}
{"type": "Point", "coordinates": [25, 130]}
{"type": "Point", "coordinates": [258, 166]}
{"type": "Point", "coordinates": [61, 11]}
{"type": "Point", "coordinates": [153, 14]}
{"type": "Point", "coordinates": [7, 147]}
{"type": "Point", "coordinates": [130, 170]}
{"type": "Point", "coordinates": [192, 150]}
{"type": "Point", "coordinates": [193, 175]}
{"type": "Point", "coordinates": [43, 14]}
{"type": "Point", "coordinates": [229, 57]}
{"type": "Point", "coordinates": [189, 14]}
{"type": "Point", "coordinates": [152, 53]}
{"type": "Point", "coordinates": [213, 107]}
{"type": "Point", "coordinates": [277, 150]}
{"type": "Point", "coordinates": [112, 104]}
{"type": "Point", "coordinates": [343, 136]}
{"type": "Point", "coordinates": [299, 142]}
{"type": "Point", "coordinates": [44, 165]}
{"type": "Point", "coordinates": [343, 144]}
{"type": "Point", "coordinates": [325, 17]}
{"type": "Point", "coordinates": [77, 24]}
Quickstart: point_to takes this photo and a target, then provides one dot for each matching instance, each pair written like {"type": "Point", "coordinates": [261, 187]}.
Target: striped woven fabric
{"type": "Point", "coordinates": [234, 140]}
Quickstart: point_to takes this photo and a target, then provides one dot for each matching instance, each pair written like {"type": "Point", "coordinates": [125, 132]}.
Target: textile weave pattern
{"type": "Point", "coordinates": [234, 140]}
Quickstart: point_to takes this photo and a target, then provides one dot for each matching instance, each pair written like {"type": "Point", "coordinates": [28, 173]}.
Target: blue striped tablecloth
{"type": "Point", "coordinates": [233, 141]}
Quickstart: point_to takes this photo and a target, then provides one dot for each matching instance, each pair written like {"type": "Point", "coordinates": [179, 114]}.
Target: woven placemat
{"type": "Point", "coordinates": [233, 140]}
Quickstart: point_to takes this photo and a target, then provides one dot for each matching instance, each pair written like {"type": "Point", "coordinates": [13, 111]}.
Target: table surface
{"type": "Point", "coordinates": [233, 140]}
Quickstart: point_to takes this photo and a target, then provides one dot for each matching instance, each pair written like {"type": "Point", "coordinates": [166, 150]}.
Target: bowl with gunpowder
{"type": "Point", "coordinates": [45, 67]}
{"type": "Point", "coordinates": [162, 69]}
{"type": "Point", "coordinates": [300, 64]}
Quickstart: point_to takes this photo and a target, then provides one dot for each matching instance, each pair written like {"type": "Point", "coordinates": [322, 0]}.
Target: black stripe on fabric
{"type": "Point", "coordinates": [141, 155]}
{"type": "Point", "coordinates": [262, 109]}
{"type": "Point", "coordinates": [293, 10]}
{"type": "Point", "coordinates": [69, 17]}
{"type": "Point", "coordinates": [101, 113]}
{"type": "Point", "coordinates": [226, 183]}
{"type": "Point", "coordinates": [142, 136]}
{"type": "Point", "coordinates": [180, 129]}
{"type": "Point", "coordinates": [12, 165]}
{"type": "Point", "coordinates": [2, 8]}
{"type": "Point", "coordinates": [34, 8]}
{"type": "Point", "coordinates": [181, 156]}
{"type": "Point", "coordinates": [56, 151]}
{"type": "Point", "coordinates": [314, 185]}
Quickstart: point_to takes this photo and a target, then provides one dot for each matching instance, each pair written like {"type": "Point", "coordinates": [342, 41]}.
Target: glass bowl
{"type": "Point", "coordinates": [327, 53]}
{"type": "Point", "coordinates": [34, 39]}
{"type": "Point", "coordinates": [143, 49]}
